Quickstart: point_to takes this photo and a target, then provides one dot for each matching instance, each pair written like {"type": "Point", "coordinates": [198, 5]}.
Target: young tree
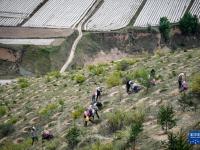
{"type": "Point", "coordinates": [165, 27]}
{"type": "Point", "coordinates": [136, 128]}
{"type": "Point", "coordinates": [178, 141]}
{"type": "Point", "coordinates": [73, 136]}
{"type": "Point", "coordinates": [189, 24]}
{"type": "Point", "coordinates": [166, 117]}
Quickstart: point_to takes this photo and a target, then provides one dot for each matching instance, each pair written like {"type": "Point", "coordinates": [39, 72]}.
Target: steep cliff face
{"type": "Point", "coordinates": [93, 45]}
{"type": "Point", "coordinates": [17, 60]}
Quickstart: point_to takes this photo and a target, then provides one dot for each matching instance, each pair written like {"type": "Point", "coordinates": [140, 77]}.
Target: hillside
{"type": "Point", "coordinates": [47, 102]}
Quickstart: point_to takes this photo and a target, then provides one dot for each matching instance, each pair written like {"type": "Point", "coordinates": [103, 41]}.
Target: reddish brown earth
{"type": "Point", "coordinates": [6, 54]}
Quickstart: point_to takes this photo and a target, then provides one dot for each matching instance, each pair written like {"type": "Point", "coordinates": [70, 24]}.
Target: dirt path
{"type": "Point", "coordinates": [79, 28]}
{"type": "Point", "coordinates": [71, 56]}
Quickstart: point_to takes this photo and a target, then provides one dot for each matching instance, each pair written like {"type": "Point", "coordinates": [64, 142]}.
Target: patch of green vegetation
{"type": "Point", "coordinates": [21, 146]}
{"type": "Point", "coordinates": [23, 83]}
{"type": "Point", "coordinates": [78, 111]}
{"type": "Point", "coordinates": [178, 141]}
{"type": "Point", "coordinates": [79, 78]}
{"type": "Point", "coordinates": [73, 136]}
{"type": "Point", "coordinates": [189, 24]}
{"type": "Point", "coordinates": [165, 27]}
{"type": "Point", "coordinates": [119, 119]}
{"type": "Point", "coordinates": [124, 64]}
{"type": "Point", "coordinates": [114, 79]}
{"type": "Point", "coordinates": [54, 74]}
{"type": "Point", "coordinates": [96, 69]}
{"type": "Point", "coordinates": [48, 109]}
{"type": "Point", "coordinates": [166, 117]}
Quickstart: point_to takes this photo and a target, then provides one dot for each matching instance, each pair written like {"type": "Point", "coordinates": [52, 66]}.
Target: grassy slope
{"type": "Point", "coordinates": [25, 103]}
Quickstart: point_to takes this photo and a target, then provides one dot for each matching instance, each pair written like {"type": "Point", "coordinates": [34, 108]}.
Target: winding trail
{"type": "Point", "coordinates": [79, 28]}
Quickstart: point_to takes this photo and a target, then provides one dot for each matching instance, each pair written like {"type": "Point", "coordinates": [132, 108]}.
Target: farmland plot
{"type": "Point", "coordinates": [113, 14]}
{"type": "Point", "coordinates": [13, 12]}
{"type": "Point", "coordinates": [195, 9]}
{"type": "Point", "coordinates": [60, 13]}
{"type": "Point", "coordinates": [155, 9]}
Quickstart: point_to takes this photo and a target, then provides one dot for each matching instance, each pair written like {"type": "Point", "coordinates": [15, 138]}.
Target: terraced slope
{"type": "Point", "coordinates": [40, 103]}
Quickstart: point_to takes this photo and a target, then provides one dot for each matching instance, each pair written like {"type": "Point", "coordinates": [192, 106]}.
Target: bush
{"type": "Point", "coordinates": [78, 111]}
{"type": "Point", "coordinates": [120, 119]}
{"type": "Point", "coordinates": [79, 78]}
{"type": "Point", "coordinates": [143, 77]}
{"type": "Point", "coordinates": [3, 110]}
{"type": "Point", "coordinates": [116, 121]}
{"type": "Point", "coordinates": [122, 65]}
{"type": "Point", "coordinates": [96, 70]}
{"type": "Point", "coordinates": [48, 109]}
{"type": "Point", "coordinates": [189, 24]}
{"type": "Point", "coordinates": [54, 74]}
{"type": "Point", "coordinates": [164, 27]}
{"type": "Point", "coordinates": [136, 128]}
{"type": "Point", "coordinates": [6, 129]}
{"type": "Point", "coordinates": [23, 83]}
{"type": "Point", "coordinates": [114, 79]}
{"type": "Point", "coordinates": [166, 117]}
{"type": "Point", "coordinates": [195, 86]}
{"type": "Point", "coordinates": [178, 141]}
{"type": "Point", "coordinates": [73, 136]}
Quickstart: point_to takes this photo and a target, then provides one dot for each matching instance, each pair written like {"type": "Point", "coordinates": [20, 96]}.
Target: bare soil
{"type": "Point", "coordinates": [23, 32]}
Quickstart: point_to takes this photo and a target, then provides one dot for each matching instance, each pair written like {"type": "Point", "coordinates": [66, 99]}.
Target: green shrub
{"type": "Point", "coordinates": [136, 128]}
{"type": "Point", "coordinates": [164, 27]}
{"type": "Point", "coordinates": [6, 129]}
{"type": "Point", "coordinates": [54, 74]}
{"type": "Point", "coordinates": [178, 141]}
{"type": "Point", "coordinates": [3, 110]}
{"type": "Point", "coordinates": [48, 109]}
{"type": "Point", "coordinates": [143, 77]}
{"type": "Point", "coordinates": [61, 102]}
{"type": "Point", "coordinates": [96, 69]}
{"type": "Point", "coordinates": [122, 65]}
{"type": "Point", "coordinates": [116, 121]}
{"type": "Point", "coordinates": [195, 85]}
{"type": "Point", "coordinates": [78, 111]}
{"type": "Point", "coordinates": [73, 136]}
{"type": "Point", "coordinates": [189, 24]}
{"type": "Point", "coordinates": [79, 78]}
{"type": "Point", "coordinates": [23, 83]}
{"type": "Point", "coordinates": [165, 117]}
{"type": "Point", "coordinates": [114, 79]}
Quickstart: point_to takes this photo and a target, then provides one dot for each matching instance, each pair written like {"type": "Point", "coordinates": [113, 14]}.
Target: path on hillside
{"type": "Point", "coordinates": [79, 28]}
